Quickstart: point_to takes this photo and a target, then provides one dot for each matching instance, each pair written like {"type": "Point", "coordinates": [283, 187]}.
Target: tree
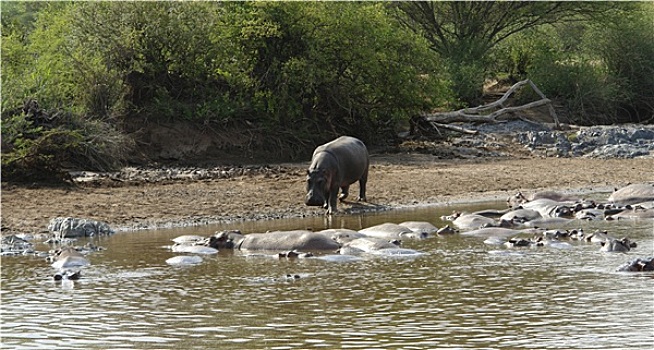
{"type": "Point", "coordinates": [463, 32]}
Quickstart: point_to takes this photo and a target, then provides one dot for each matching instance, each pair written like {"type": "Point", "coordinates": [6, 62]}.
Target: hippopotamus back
{"type": "Point", "coordinates": [300, 240]}
{"type": "Point", "coordinates": [632, 194]}
{"type": "Point", "coordinates": [336, 164]}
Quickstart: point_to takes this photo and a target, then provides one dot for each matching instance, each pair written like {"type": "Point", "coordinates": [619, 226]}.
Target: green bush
{"type": "Point", "coordinates": [625, 45]}
{"type": "Point", "coordinates": [37, 145]}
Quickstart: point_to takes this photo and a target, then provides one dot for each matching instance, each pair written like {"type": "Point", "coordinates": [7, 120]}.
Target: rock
{"type": "Point", "coordinates": [68, 227]}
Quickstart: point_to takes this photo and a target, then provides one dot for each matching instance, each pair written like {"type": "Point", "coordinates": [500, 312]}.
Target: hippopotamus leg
{"type": "Point", "coordinates": [345, 191]}
{"type": "Point", "coordinates": [362, 186]}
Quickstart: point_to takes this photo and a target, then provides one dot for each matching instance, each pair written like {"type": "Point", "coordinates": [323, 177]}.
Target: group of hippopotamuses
{"type": "Point", "coordinates": [523, 223]}
{"type": "Point", "coordinates": [332, 244]}
{"type": "Point", "coordinates": [520, 225]}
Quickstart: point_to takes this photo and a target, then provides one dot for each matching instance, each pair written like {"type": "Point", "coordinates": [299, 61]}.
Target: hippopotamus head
{"type": "Point", "coordinates": [563, 211]}
{"type": "Point", "coordinates": [646, 264]}
{"type": "Point", "coordinates": [318, 184]}
{"type": "Point", "coordinates": [516, 200]}
{"type": "Point", "coordinates": [225, 239]}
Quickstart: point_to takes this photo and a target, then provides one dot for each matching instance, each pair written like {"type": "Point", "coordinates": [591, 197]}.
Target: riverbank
{"type": "Point", "coordinates": [277, 191]}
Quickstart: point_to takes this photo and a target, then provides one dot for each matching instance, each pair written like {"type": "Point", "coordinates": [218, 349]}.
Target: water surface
{"type": "Point", "coordinates": [461, 294]}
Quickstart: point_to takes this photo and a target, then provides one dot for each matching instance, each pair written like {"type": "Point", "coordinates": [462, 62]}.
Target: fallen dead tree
{"type": "Point", "coordinates": [495, 112]}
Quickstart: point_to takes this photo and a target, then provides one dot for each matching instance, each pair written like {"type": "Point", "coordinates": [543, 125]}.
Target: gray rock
{"type": "Point", "coordinates": [68, 227]}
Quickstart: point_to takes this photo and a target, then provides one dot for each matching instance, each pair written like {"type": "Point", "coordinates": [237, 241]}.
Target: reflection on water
{"type": "Point", "coordinates": [462, 294]}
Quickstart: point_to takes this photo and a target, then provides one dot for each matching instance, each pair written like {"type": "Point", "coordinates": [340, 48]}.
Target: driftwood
{"type": "Point", "coordinates": [481, 114]}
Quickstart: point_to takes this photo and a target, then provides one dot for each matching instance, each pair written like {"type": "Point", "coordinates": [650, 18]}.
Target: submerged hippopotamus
{"type": "Point", "coordinates": [615, 245]}
{"type": "Point", "coordinates": [519, 199]}
{"type": "Point", "coordinates": [296, 240]}
{"type": "Point", "coordinates": [475, 221]}
{"type": "Point", "coordinates": [366, 245]}
{"type": "Point", "coordinates": [68, 257]}
{"type": "Point", "coordinates": [392, 231]}
{"type": "Point", "coordinates": [336, 164]}
{"type": "Point", "coordinates": [634, 212]}
{"type": "Point", "coordinates": [549, 208]}
{"type": "Point", "coordinates": [638, 265]}
{"type": "Point", "coordinates": [632, 194]}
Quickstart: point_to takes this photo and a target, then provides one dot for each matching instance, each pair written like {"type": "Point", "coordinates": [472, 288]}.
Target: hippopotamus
{"type": "Point", "coordinates": [342, 235]}
{"type": "Point", "coordinates": [377, 247]}
{"type": "Point", "coordinates": [549, 208]}
{"type": "Point", "coordinates": [336, 164]}
{"type": "Point", "coordinates": [188, 239]}
{"type": "Point", "coordinates": [68, 275]}
{"type": "Point", "coordinates": [632, 194]}
{"type": "Point", "coordinates": [598, 237]}
{"type": "Point", "coordinates": [366, 245]}
{"type": "Point", "coordinates": [617, 245]}
{"type": "Point", "coordinates": [638, 265]}
{"type": "Point", "coordinates": [522, 242]}
{"type": "Point", "coordinates": [634, 212]}
{"type": "Point", "coordinates": [500, 232]}
{"type": "Point", "coordinates": [471, 221]}
{"type": "Point", "coordinates": [392, 231]}
{"type": "Point", "coordinates": [296, 240]}
{"type": "Point", "coordinates": [68, 257]}
{"type": "Point", "coordinates": [184, 260]}
{"type": "Point", "coordinates": [519, 199]}
{"type": "Point", "coordinates": [422, 227]}
{"type": "Point", "coordinates": [192, 244]}
{"type": "Point", "coordinates": [193, 249]}
{"type": "Point", "coordinates": [589, 214]}
{"type": "Point", "coordinates": [521, 215]}
{"type": "Point", "coordinates": [447, 230]}
{"type": "Point", "coordinates": [547, 222]}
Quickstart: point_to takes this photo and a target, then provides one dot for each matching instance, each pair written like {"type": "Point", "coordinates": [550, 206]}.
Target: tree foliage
{"type": "Point", "coordinates": [300, 73]}
{"type": "Point", "coordinates": [465, 32]}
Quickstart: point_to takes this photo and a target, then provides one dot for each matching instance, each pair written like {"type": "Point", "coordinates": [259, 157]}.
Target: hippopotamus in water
{"type": "Point", "coordinates": [68, 257]}
{"type": "Point", "coordinates": [549, 208]}
{"type": "Point", "coordinates": [366, 245]}
{"type": "Point", "coordinates": [548, 222]}
{"type": "Point", "coordinates": [471, 221]}
{"type": "Point", "coordinates": [422, 227]}
{"type": "Point", "coordinates": [519, 199]}
{"type": "Point", "coordinates": [632, 194]}
{"type": "Point", "coordinates": [500, 232]}
{"type": "Point", "coordinates": [392, 231]}
{"type": "Point", "coordinates": [342, 235]}
{"type": "Point", "coordinates": [447, 230]}
{"type": "Point", "coordinates": [336, 164]}
{"type": "Point", "coordinates": [377, 247]}
{"type": "Point", "coordinates": [184, 260]}
{"type": "Point", "coordinates": [475, 221]}
{"type": "Point", "coordinates": [521, 215]}
{"type": "Point", "coordinates": [638, 265]}
{"type": "Point", "coordinates": [635, 212]}
{"type": "Point", "coordinates": [614, 245]}
{"type": "Point", "coordinates": [296, 240]}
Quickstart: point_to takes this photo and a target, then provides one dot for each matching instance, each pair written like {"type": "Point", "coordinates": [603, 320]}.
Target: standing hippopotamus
{"type": "Point", "coordinates": [336, 164]}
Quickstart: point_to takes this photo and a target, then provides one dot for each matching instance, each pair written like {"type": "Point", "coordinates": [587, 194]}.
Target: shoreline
{"type": "Point", "coordinates": [397, 182]}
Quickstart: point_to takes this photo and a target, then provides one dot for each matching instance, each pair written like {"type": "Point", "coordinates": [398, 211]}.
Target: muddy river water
{"type": "Point", "coordinates": [462, 294]}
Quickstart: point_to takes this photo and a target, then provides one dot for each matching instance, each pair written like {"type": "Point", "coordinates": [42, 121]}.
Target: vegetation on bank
{"type": "Point", "coordinates": [75, 74]}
